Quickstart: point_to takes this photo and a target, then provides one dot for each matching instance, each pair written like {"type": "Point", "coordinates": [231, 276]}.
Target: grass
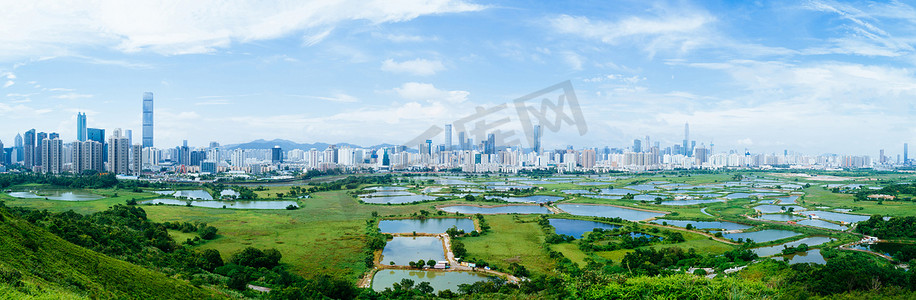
{"type": "Point", "coordinates": [819, 196]}
{"type": "Point", "coordinates": [55, 268]}
{"type": "Point", "coordinates": [511, 241]}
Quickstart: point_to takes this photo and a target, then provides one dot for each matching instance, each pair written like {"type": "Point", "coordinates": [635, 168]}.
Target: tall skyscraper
{"type": "Point", "coordinates": [80, 126]}
{"type": "Point", "coordinates": [147, 119]}
{"type": "Point", "coordinates": [686, 139]}
{"type": "Point", "coordinates": [276, 155]}
{"type": "Point", "coordinates": [136, 162]}
{"type": "Point", "coordinates": [537, 139]}
{"type": "Point", "coordinates": [906, 156]}
{"type": "Point", "coordinates": [95, 134]}
{"type": "Point", "coordinates": [17, 147]}
{"type": "Point", "coordinates": [129, 134]}
{"type": "Point", "coordinates": [28, 149]}
{"type": "Point", "coordinates": [118, 153]}
{"type": "Point", "coordinates": [448, 137]}
{"type": "Point", "coordinates": [36, 154]}
{"type": "Point", "coordinates": [637, 146]}
{"type": "Point", "coordinates": [462, 142]}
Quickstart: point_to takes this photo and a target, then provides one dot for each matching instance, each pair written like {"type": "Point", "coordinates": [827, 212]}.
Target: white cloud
{"type": "Point", "coordinates": [420, 66]}
{"type": "Point", "coordinates": [8, 83]}
{"type": "Point", "coordinates": [70, 96]}
{"type": "Point", "coordinates": [338, 97]}
{"type": "Point", "coordinates": [427, 92]}
{"type": "Point", "coordinates": [60, 28]}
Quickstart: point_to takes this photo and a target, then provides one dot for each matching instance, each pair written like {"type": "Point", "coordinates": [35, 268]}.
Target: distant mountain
{"type": "Point", "coordinates": [286, 145]}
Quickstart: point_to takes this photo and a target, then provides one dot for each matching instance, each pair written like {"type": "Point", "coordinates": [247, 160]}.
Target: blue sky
{"type": "Point", "coordinates": [806, 76]}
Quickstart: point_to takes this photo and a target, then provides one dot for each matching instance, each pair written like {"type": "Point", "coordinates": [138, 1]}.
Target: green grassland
{"type": "Point", "coordinates": [50, 267]}
{"type": "Point", "coordinates": [517, 239]}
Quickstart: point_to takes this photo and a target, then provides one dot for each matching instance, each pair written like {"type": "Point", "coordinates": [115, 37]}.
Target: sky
{"type": "Point", "coordinates": [810, 77]}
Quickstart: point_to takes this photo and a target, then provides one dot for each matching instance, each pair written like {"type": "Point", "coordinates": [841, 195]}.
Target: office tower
{"type": "Point", "coordinates": [17, 145]}
{"type": "Point", "coordinates": [197, 157]}
{"type": "Point", "coordinates": [54, 135]}
{"type": "Point", "coordinates": [276, 155]}
{"type": "Point", "coordinates": [118, 153]}
{"type": "Point", "coordinates": [448, 137]}
{"type": "Point", "coordinates": [130, 136]}
{"type": "Point", "coordinates": [906, 157]}
{"type": "Point", "coordinates": [461, 145]}
{"type": "Point", "coordinates": [537, 139]}
{"type": "Point", "coordinates": [881, 157]}
{"type": "Point", "coordinates": [637, 147]}
{"type": "Point", "coordinates": [429, 147]}
{"type": "Point", "coordinates": [3, 155]}
{"type": "Point", "coordinates": [51, 155]}
{"type": "Point", "coordinates": [95, 134]}
{"type": "Point", "coordinates": [686, 139]}
{"type": "Point", "coordinates": [331, 154]}
{"type": "Point", "coordinates": [136, 163]}
{"type": "Point", "coordinates": [183, 154]}
{"type": "Point", "coordinates": [28, 149]}
{"type": "Point", "coordinates": [80, 126]}
{"type": "Point", "coordinates": [147, 119]}
{"type": "Point", "coordinates": [701, 155]}
{"type": "Point", "coordinates": [36, 154]}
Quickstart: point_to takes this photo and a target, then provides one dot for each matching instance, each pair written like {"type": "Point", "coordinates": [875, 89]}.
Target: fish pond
{"type": "Point", "coordinates": [436, 225]}
{"type": "Point", "coordinates": [439, 281]}
{"type": "Point", "coordinates": [227, 204]}
{"type": "Point", "coordinates": [608, 212]}
{"type": "Point", "coordinates": [762, 236]}
{"type": "Point", "coordinates": [60, 195]}
{"type": "Point", "coordinates": [403, 250]}
{"type": "Point", "coordinates": [576, 228]}
{"type": "Point", "coordinates": [491, 210]}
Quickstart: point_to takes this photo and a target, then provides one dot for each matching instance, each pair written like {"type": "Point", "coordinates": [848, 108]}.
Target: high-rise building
{"type": "Point", "coordinates": [28, 149]}
{"type": "Point", "coordinates": [686, 147]}
{"type": "Point", "coordinates": [429, 147]}
{"type": "Point", "coordinates": [95, 134]}
{"type": "Point", "coordinates": [490, 144]}
{"type": "Point", "coordinates": [276, 155]}
{"type": "Point", "coordinates": [17, 148]}
{"type": "Point", "coordinates": [136, 159]}
{"type": "Point", "coordinates": [238, 158]}
{"type": "Point", "coordinates": [537, 139]}
{"type": "Point", "coordinates": [130, 136]}
{"type": "Point", "coordinates": [39, 138]}
{"type": "Point", "coordinates": [701, 155]}
{"type": "Point", "coordinates": [906, 157]}
{"type": "Point", "coordinates": [197, 157]}
{"type": "Point", "coordinates": [461, 141]}
{"type": "Point", "coordinates": [51, 155]}
{"type": "Point", "coordinates": [86, 155]}
{"type": "Point", "coordinates": [448, 137]}
{"type": "Point", "coordinates": [118, 153]}
{"type": "Point", "coordinates": [637, 146]}
{"type": "Point", "coordinates": [147, 119]}
{"type": "Point", "coordinates": [80, 126]}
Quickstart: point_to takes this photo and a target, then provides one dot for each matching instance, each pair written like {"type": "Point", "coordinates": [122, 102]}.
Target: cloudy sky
{"type": "Point", "coordinates": [806, 76]}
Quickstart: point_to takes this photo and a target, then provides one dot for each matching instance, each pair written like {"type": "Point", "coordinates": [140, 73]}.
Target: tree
{"type": "Point", "coordinates": [431, 263]}
{"type": "Point", "coordinates": [207, 232]}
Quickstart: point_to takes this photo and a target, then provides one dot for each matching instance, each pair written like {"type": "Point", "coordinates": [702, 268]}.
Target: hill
{"type": "Point", "coordinates": [37, 263]}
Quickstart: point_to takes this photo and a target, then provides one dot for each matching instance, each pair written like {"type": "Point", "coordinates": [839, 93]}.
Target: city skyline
{"type": "Point", "coordinates": [732, 70]}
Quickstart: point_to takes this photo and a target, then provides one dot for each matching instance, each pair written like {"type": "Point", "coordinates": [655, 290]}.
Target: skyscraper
{"type": "Point", "coordinates": [51, 156]}
{"type": "Point", "coordinates": [86, 155]}
{"type": "Point", "coordinates": [95, 134]}
{"type": "Point", "coordinates": [147, 119]}
{"type": "Point", "coordinates": [448, 137]}
{"type": "Point", "coordinates": [28, 149]}
{"type": "Point", "coordinates": [17, 146]}
{"type": "Point", "coordinates": [276, 155]}
{"type": "Point", "coordinates": [906, 156]}
{"type": "Point", "coordinates": [637, 145]}
{"type": "Point", "coordinates": [686, 139]}
{"type": "Point", "coordinates": [81, 126]}
{"type": "Point", "coordinates": [537, 139]}
{"type": "Point", "coordinates": [462, 142]}
{"type": "Point", "coordinates": [36, 154]}
{"type": "Point", "coordinates": [129, 134]}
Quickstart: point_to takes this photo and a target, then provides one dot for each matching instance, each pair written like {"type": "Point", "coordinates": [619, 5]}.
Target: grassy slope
{"type": "Point", "coordinates": [57, 268]}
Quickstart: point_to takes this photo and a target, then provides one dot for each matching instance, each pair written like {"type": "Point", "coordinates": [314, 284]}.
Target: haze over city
{"type": "Point", "coordinates": [811, 76]}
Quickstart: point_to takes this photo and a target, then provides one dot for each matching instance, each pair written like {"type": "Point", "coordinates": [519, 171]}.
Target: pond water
{"type": "Point", "coordinates": [889, 249]}
{"type": "Point", "coordinates": [593, 183]}
{"type": "Point", "coordinates": [774, 209]}
{"type": "Point", "coordinates": [573, 192]}
{"type": "Point", "coordinates": [437, 225]}
{"type": "Point", "coordinates": [402, 250]}
{"type": "Point", "coordinates": [61, 195]}
{"type": "Point", "coordinates": [762, 236]}
{"type": "Point", "coordinates": [529, 199]}
{"type": "Point", "coordinates": [788, 200]}
{"type": "Point", "coordinates": [189, 194]}
{"type": "Point", "coordinates": [509, 209]}
{"type": "Point", "coordinates": [440, 281]}
{"type": "Point", "coordinates": [707, 195]}
{"type": "Point", "coordinates": [704, 224]}
{"type": "Point", "coordinates": [534, 182]}
{"type": "Point", "coordinates": [387, 188]}
{"type": "Point", "coordinates": [641, 187]}
{"type": "Point", "coordinates": [608, 212]}
{"type": "Point", "coordinates": [397, 199]}
{"type": "Point", "coordinates": [691, 202]}
{"type": "Point", "coordinates": [844, 210]}
{"type": "Point", "coordinates": [576, 228]}
{"type": "Point", "coordinates": [227, 204]}
{"type": "Point", "coordinates": [822, 224]}
{"type": "Point", "coordinates": [811, 256]}
{"type": "Point", "coordinates": [386, 193]}
{"type": "Point", "coordinates": [777, 249]}
{"type": "Point", "coordinates": [835, 216]}
{"type": "Point", "coordinates": [781, 217]}
{"type": "Point", "coordinates": [618, 191]}
{"type": "Point", "coordinates": [610, 197]}
{"type": "Point", "coordinates": [649, 197]}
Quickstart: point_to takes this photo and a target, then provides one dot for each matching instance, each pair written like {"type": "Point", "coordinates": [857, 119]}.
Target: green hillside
{"type": "Point", "coordinates": [38, 264]}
